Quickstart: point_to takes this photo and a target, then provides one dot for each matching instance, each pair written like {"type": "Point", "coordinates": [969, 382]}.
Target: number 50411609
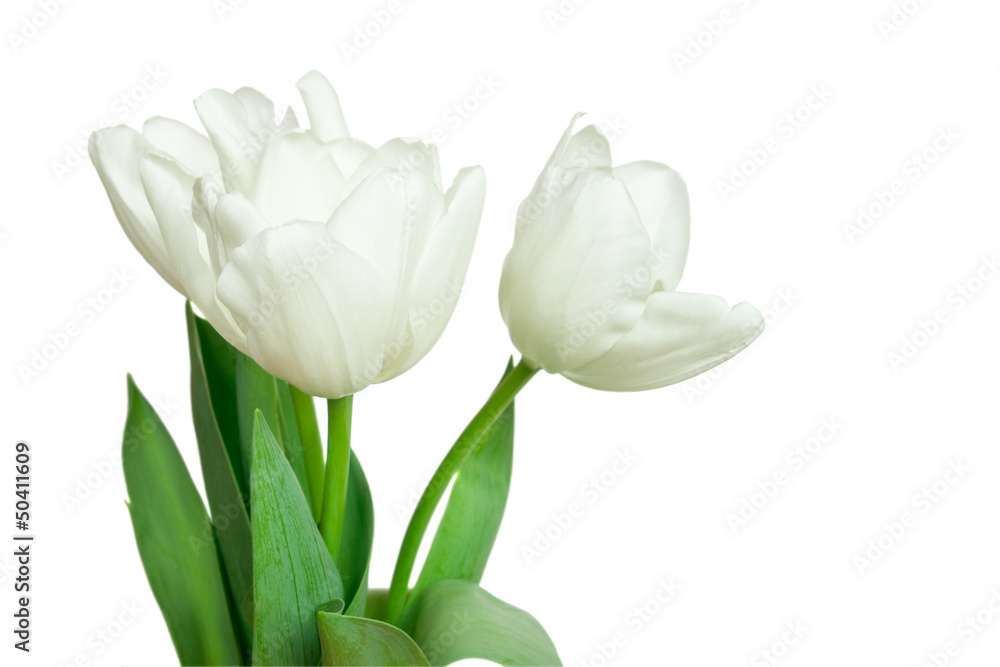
{"type": "Point", "coordinates": [22, 485]}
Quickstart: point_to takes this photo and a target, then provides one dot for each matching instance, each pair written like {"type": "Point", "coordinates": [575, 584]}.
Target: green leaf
{"type": "Point", "coordinates": [291, 440]}
{"type": "Point", "coordinates": [219, 359]}
{"type": "Point", "coordinates": [458, 620]}
{"type": "Point", "coordinates": [293, 570]}
{"type": "Point", "coordinates": [377, 603]}
{"type": "Point", "coordinates": [356, 539]}
{"type": "Point", "coordinates": [256, 389]}
{"type": "Point", "coordinates": [350, 641]}
{"type": "Point", "coordinates": [227, 503]}
{"type": "Point", "coordinates": [175, 540]}
{"type": "Point", "coordinates": [312, 446]}
{"type": "Point", "coordinates": [475, 508]}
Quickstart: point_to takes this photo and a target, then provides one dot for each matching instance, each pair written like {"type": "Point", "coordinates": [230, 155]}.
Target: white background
{"type": "Point", "coordinates": [838, 305]}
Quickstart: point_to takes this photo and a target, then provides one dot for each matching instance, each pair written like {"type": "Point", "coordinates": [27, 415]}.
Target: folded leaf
{"type": "Point", "coordinates": [458, 620]}
{"type": "Point", "coordinates": [256, 389]}
{"type": "Point", "coordinates": [356, 539]}
{"type": "Point", "coordinates": [219, 359]}
{"type": "Point", "coordinates": [175, 540]}
{"type": "Point", "coordinates": [293, 570]}
{"type": "Point", "coordinates": [312, 446]}
{"type": "Point", "coordinates": [351, 641]}
{"type": "Point", "coordinates": [475, 508]}
{"type": "Point", "coordinates": [227, 504]}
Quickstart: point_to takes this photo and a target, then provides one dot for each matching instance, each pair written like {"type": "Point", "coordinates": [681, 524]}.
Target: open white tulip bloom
{"type": "Point", "coordinates": [333, 264]}
{"type": "Point", "coordinates": [588, 288]}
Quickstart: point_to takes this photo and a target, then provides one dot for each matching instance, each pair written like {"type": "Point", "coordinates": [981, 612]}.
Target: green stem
{"type": "Point", "coordinates": [312, 447]}
{"type": "Point", "coordinates": [338, 462]}
{"type": "Point", "coordinates": [467, 441]}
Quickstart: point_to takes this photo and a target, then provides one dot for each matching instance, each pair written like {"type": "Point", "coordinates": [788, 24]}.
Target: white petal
{"type": "Point", "coordinates": [207, 190]}
{"type": "Point", "coordinates": [238, 145]}
{"type": "Point", "coordinates": [349, 154]}
{"type": "Point", "coordinates": [326, 120]}
{"type": "Point", "coordinates": [297, 180]}
{"type": "Point", "coordinates": [115, 153]}
{"type": "Point", "coordinates": [388, 219]}
{"type": "Point", "coordinates": [441, 271]}
{"type": "Point", "coordinates": [662, 199]}
{"type": "Point", "coordinates": [587, 149]}
{"type": "Point", "coordinates": [168, 187]}
{"type": "Point", "coordinates": [260, 109]}
{"type": "Point", "coordinates": [236, 221]}
{"type": "Point", "coordinates": [404, 155]}
{"type": "Point", "coordinates": [575, 280]}
{"type": "Point", "coordinates": [192, 149]}
{"type": "Point", "coordinates": [315, 313]}
{"type": "Point", "coordinates": [680, 335]}
{"type": "Point", "coordinates": [289, 122]}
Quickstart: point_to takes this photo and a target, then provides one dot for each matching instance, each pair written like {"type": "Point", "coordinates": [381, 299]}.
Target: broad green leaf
{"type": "Point", "coordinates": [256, 389]}
{"type": "Point", "coordinates": [293, 570]}
{"type": "Point", "coordinates": [458, 620]}
{"type": "Point", "coordinates": [220, 359]}
{"type": "Point", "coordinates": [312, 446]}
{"type": "Point", "coordinates": [475, 508]}
{"type": "Point", "coordinates": [227, 504]}
{"type": "Point", "coordinates": [291, 440]}
{"type": "Point", "coordinates": [175, 540]}
{"type": "Point", "coordinates": [356, 539]}
{"type": "Point", "coordinates": [351, 641]}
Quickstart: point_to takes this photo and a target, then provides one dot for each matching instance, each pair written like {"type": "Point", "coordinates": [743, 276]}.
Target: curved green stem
{"type": "Point", "coordinates": [338, 463]}
{"type": "Point", "coordinates": [467, 441]}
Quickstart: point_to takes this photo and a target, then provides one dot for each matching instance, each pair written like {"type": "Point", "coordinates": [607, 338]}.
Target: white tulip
{"type": "Point", "coordinates": [331, 263]}
{"type": "Point", "coordinates": [588, 288]}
